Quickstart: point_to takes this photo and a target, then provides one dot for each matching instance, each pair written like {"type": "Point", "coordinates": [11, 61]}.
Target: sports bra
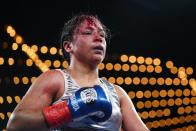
{"type": "Point", "coordinates": [112, 124]}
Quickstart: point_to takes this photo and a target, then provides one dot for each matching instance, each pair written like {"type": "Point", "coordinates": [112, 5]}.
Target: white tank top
{"type": "Point", "coordinates": [112, 124]}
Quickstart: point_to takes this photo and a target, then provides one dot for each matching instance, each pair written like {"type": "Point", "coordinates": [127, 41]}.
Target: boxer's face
{"type": "Point", "coordinates": [89, 44]}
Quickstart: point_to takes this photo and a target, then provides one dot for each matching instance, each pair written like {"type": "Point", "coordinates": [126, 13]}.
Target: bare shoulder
{"type": "Point", "coordinates": [125, 100]}
{"type": "Point", "coordinates": [43, 91]}
{"type": "Point", "coordinates": [52, 81]}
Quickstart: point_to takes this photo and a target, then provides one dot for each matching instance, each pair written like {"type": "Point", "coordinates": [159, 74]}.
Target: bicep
{"type": "Point", "coordinates": [40, 94]}
{"type": "Point", "coordinates": [131, 119]}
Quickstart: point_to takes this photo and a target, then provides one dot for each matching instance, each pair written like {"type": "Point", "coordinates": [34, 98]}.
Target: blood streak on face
{"type": "Point", "coordinates": [91, 22]}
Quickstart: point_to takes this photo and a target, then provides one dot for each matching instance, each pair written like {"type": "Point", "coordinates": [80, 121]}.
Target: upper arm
{"type": "Point", "coordinates": [42, 91]}
{"type": "Point", "coordinates": [131, 119]}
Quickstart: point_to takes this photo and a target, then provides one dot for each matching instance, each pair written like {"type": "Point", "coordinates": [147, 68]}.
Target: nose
{"type": "Point", "coordinates": [98, 37]}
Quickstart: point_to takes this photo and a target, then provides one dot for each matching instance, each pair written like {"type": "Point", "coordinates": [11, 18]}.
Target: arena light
{"type": "Point", "coordinates": [29, 51]}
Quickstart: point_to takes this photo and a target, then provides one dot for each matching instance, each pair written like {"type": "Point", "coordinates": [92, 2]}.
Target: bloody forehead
{"type": "Point", "coordinates": [91, 22]}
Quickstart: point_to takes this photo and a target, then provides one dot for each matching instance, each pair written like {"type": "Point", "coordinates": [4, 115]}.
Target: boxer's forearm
{"type": "Point", "coordinates": [27, 121]}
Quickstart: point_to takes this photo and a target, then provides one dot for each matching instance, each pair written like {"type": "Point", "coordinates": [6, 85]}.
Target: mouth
{"type": "Point", "coordinates": [98, 49]}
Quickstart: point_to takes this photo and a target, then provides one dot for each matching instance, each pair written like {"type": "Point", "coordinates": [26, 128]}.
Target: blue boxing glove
{"type": "Point", "coordinates": [92, 102]}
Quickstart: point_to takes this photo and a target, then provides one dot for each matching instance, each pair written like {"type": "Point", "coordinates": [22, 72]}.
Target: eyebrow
{"type": "Point", "coordinates": [99, 29]}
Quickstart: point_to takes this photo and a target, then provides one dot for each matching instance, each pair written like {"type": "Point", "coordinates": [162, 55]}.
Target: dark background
{"type": "Point", "coordinates": [164, 29]}
{"type": "Point", "coordinates": [150, 28]}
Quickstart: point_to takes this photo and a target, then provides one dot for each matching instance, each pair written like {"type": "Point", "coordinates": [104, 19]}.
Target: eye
{"type": "Point", "coordinates": [87, 32]}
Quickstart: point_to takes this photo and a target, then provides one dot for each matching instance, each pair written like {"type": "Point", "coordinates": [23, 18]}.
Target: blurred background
{"type": "Point", "coordinates": [151, 53]}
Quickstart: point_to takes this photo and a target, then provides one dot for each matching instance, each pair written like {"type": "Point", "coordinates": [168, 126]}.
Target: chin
{"type": "Point", "coordinates": [98, 60]}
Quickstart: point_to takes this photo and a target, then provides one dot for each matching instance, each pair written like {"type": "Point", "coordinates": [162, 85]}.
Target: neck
{"type": "Point", "coordinates": [83, 74]}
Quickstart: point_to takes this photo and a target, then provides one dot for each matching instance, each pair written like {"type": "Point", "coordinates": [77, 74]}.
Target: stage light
{"type": "Point", "coordinates": [53, 50]}
{"type": "Point", "coordinates": [101, 66]}
{"type": "Point", "coordinates": [9, 29]}
{"type": "Point", "coordinates": [150, 68]}
{"type": "Point", "coordinates": [186, 101]}
{"type": "Point", "coordinates": [140, 60]}
{"type": "Point", "coordinates": [144, 115]}
{"type": "Point", "coordinates": [168, 81]}
{"type": "Point", "coordinates": [29, 62]}
{"type": "Point", "coordinates": [142, 68]}
{"type": "Point", "coordinates": [159, 113]}
{"type": "Point", "coordinates": [155, 103]}
{"type": "Point", "coordinates": [25, 80]}
{"type": "Point", "coordinates": [180, 110]}
{"type": "Point", "coordinates": [163, 103]}
{"type": "Point", "coordinates": [160, 81]}
{"type": "Point", "coordinates": [60, 52]}
{"type": "Point", "coordinates": [178, 92]}
{"type": "Point", "coordinates": [132, 59]}
{"type": "Point", "coordinates": [9, 114]}
{"type": "Point", "coordinates": [44, 49]}
{"type": "Point", "coordinates": [14, 46]}
{"type": "Point", "coordinates": [178, 101]}
{"type": "Point", "coordinates": [1, 100]}
{"type": "Point", "coordinates": [158, 69]}
{"type": "Point", "coordinates": [18, 39]}
{"type": "Point", "coordinates": [148, 60]}
{"type": "Point", "coordinates": [147, 94]}
{"type": "Point", "coordinates": [48, 62]}
{"type": "Point", "coordinates": [171, 102]}
{"type": "Point", "coordinates": [152, 114]}
{"type": "Point", "coordinates": [170, 93]}
{"type": "Point", "coordinates": [33, 79]}
{"type": "Point", "coordinates": [112, 80]}
{"type": "Point", "coordinates": [131, 94]}
{"type": "Point", "coordinates": [140, 105]}
{"type": "Point", "coordinates": [176, 81]}
{"type": "Point", "coordinates": [169, 64]}
{"type": "Point", "coordinates": [152, 81]}
{"type": "Point", "coordinates": [182, 74]}
{"type": "Point", "coordinates": [125, 67]}
{"type": "Point", "coordinates": [109, 66]}
{"type": "Point", "coordinates": [128, 80]}
{"type": "Point", "coordinates": [2, 116]}
{"type": "Point", "coordinates": [124, 58]}
{"type": "Point", "coordinates": [155, 124]}
{"type": "Point", "coordinates": [193, 100]}
{"type": "Point", "coordinates": [56, 63]}
{"type": "Point", "coordinates": [1, 60]}
{"type": "Point", "coordinates": [184, 82]}
{"type": "Point", "coordinates": [144, 80]}
{"type": "Point", "coordinates": [34, 47]}
{"type": "Point", "coordinates": [173, 70]}
{"type": "Point", "coordinates": [117, 67]}
{"type": "Point", "coordinates": [189, 70]}
{"type": "Point", "coordinates": [166, 112]}
{"type": "Point", "coordinates": [17, 99]}
{"type": "Point", "coordinates": [9, 99]}
{"type": "Point", "coordinates": [155, 93]}
{"type": "Point", "coordinates": [134, 67]}
{"type": "Point", "coordinates": [10, 61]}
{"type": "Point", "coordinates": [148, 104]}
{"type": "Point", "coordinates": [136, 80]}
{"type": "Point", "coordinates": [16, 80]}
{"type": "Point", "coordinates": [139, 94]}
{"type": "Point", "coordinates": [156, 61]}
{"type": "Point", "coordinates": [120, 80]}
{"type": "Point", "coordinates": [65, 64]}
{"type": "Point", "coordinates": [186, 92]}
{"type": "Point", "coordinates": [163, 93]}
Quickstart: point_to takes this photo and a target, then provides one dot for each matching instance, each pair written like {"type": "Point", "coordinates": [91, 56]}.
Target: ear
{"type": "Point", "coordinates": [67, 46]}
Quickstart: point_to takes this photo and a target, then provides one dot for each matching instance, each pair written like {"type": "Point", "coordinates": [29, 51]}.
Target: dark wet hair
{"type": "Point", "coordinates": [71, 25]}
